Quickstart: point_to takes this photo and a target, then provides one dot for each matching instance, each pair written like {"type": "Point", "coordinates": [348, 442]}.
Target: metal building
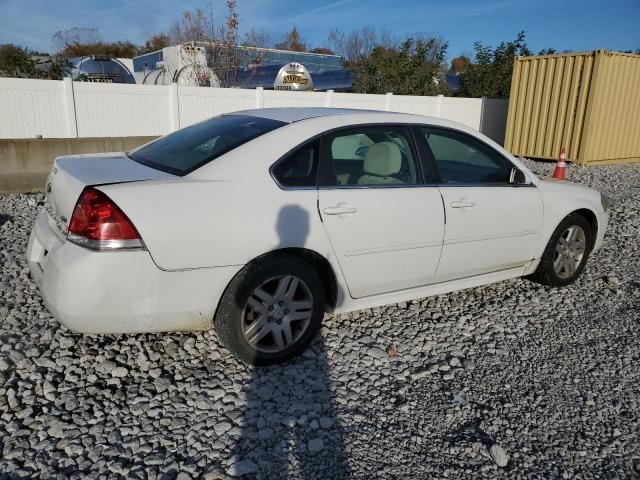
{"type": "Point", "coordinates": [588, 103]}
{"type": "Point", "coordinates": [100, 69]}
{"type": "Point", "coordinates": [187, 64]}
{"type": "Point", "coordinates": [249, 56]}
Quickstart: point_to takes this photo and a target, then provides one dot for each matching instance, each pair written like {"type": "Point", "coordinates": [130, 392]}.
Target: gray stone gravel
{"type": "Point", "coordinates": [512, 380]}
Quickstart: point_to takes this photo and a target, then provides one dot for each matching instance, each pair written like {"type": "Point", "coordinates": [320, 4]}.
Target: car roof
{"type": "Point", "coordinates": [291, 115]}
{"type": "Point", "coordinates": [295, 114]}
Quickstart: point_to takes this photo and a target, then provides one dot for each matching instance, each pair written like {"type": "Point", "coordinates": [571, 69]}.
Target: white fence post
{"type": "Point", "coordinates": [259, 97]}
{"type": "Point", "coordinates": [329, 99]}
{"type": "Point", "coordinates": [70, 108]}
{"type": "Point", "coordinates": [439, 105]}
{"type": "Point", "coordinates": [174, 102]}
{"type": "Point", "coordinates": [388, 101]}
{"type": "Point", "coordinates": [483, 104]}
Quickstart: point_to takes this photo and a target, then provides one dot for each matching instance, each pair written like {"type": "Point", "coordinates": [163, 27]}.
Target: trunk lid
{"type": "Point", "coordinates": [70, 174]}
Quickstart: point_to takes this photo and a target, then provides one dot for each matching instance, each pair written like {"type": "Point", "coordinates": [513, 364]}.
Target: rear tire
{"type": "Point", "coordinates": [566, 254]}
{"type": "Point", "coordinates": [271, 311]}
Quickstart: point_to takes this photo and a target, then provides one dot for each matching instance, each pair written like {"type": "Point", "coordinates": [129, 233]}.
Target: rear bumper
{"type": "Point", "coordinates": [120, 292]}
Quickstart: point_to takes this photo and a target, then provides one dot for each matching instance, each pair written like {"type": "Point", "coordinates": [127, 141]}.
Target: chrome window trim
{"type": "Point", "coordinates": [425, 185]}
{"type": "Point", "coordinates": [391, 185]}
{"type": "Point", "coordinates": [487, 185]}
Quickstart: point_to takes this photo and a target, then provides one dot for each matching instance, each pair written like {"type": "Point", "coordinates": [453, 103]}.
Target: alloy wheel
{"type": "Point", "coordinates": [569, 252]}
{"type": "Point", "coordinates": [277, 314]}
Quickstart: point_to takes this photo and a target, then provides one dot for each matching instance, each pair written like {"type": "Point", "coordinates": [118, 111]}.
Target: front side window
{"type": "Point", "coordinates": [371, 156]}
{"type": "Point", "coordinates": [299, 168]}
{"type": "Point", "coordinates": [463, 159]}
{"type": "Point", "coordinates": [189, 148]}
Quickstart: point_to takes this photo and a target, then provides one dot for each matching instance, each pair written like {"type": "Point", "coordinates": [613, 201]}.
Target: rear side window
{"type": "Point", "coordinates": [299, 168]}
{"type": "Point", "coordinates": [187, 149]}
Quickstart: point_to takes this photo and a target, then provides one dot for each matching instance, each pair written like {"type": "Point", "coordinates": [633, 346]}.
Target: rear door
{"type": "Point", "coordinates": [491, 224]}
{"type": "Point", "coordinates": [385, 225]}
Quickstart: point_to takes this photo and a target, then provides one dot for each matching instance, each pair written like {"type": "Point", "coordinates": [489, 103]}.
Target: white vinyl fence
{"type": "Point", "coordinates": [66, 109]}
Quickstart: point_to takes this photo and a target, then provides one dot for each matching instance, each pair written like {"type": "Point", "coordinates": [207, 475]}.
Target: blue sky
{"type": "Point", "coordinates": [561, 24]}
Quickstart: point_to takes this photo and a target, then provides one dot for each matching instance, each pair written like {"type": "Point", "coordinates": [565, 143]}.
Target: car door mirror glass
{"type": "Point", "coordinates": [517, 177]}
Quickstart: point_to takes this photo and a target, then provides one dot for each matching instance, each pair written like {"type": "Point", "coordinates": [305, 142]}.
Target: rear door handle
{"type": "Point", "coordinates": [462, 203]}
{"type": "Point", "coordinates": [340, 209]}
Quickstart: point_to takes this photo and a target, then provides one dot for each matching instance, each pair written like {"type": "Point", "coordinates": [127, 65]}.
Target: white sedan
{"type": "Point", "coordinates": [259, 222]}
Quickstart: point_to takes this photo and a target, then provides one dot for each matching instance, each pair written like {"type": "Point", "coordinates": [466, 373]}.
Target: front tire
{"type": "Point", "coordinates": [566, 254]}
{"type": "Point", "coordinates": [271, 311]}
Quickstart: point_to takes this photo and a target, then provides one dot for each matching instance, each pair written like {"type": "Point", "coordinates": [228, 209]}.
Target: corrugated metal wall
{"type": "Point", "coordinates": [612, 123]}
{"type": "Point", "coordinates": [585, 102]}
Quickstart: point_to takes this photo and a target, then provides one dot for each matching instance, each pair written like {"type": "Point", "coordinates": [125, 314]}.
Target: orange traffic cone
{"type": "Point", "coordinates": [561, 166]}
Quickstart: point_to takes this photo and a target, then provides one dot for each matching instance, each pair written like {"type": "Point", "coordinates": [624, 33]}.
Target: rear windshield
{"type": "Point", "coordinates": [187, 149]}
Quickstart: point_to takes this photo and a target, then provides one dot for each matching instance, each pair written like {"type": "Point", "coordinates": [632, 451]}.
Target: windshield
{"type": "Point", "coordinates": [187, 149]}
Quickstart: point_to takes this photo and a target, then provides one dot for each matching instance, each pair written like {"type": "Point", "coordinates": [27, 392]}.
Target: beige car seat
{"type": "Point", "coordinates": [383, 160]}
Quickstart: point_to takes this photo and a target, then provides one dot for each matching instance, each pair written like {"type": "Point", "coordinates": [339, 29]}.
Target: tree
{"type": "Point", "coordinates": [357, 45]}
{"type": "Point", "coordinates": [115, 49]}
{"type": "Point", "coordinates": [193, 26]}
{"type": "Point", "coordinates": [490, 74]}
{"type": "Point", "coordinates": [75, 36]}
{"type": "Point", "coordinates": [292, 41]}
{"type": "Point", "coordinates": [155, 43]}
{"type": "Point", "coordinates": [412, 69]}
{"type": "Point", "coordinates": [323, 51]}
{"type": "Point", "coordinates": [459, 64]}
{"type": "Point", "coordinates": [18, 62]}
{"type": "Point", "coordinates": [219, 39]}
{"type": "Point", "coordinates": [85, 41]}
{"type": "Point", "coordinates": [55, 69]}
{"type": "Point", "coordinates": [258, 38]}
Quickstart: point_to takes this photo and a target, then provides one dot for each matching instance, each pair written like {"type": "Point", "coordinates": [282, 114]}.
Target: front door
{"type": "Point", "coordinates": [385, 226]}
{"type": "Point", "coordinates": [491, 224]}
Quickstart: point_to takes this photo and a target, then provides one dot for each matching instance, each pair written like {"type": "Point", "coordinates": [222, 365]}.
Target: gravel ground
{"type": "Point", "coordinates": [509, 380]}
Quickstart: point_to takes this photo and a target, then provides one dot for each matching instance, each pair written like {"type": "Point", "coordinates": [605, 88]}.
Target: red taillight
{"type": "Point", "coordinates": [97, 222]}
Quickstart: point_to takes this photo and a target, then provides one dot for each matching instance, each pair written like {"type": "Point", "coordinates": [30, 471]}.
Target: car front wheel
{"type": "Point", "coordinates": [566, 254]}
{"type": "Point", "coordinates": [271, 310]}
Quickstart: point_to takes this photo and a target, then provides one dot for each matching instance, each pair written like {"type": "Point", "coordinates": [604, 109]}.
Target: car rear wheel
{"type": "Point", "coordinates": [271, 310]}
{"type": "Point", "coordinates": [566, 254]}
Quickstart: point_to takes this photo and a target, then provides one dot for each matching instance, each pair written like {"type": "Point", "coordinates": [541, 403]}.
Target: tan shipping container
{"type": "Point", "coordinates": [588, 103]}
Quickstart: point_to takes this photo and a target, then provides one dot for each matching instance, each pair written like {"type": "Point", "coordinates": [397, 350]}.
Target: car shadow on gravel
{"type": "Point", "coordinates": [4, 218]}
{"type": "Point", "coordinates": [289, 426]}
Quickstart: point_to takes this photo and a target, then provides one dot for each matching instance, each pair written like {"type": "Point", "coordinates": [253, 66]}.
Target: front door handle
{"type": "Point", "coordinates": [340, 209]}
{"type": "Point", "coordinates": [462, 203]}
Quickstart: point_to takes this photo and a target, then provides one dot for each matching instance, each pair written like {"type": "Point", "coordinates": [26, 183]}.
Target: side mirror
{"type": "Point", "coordinates": [516, 177]}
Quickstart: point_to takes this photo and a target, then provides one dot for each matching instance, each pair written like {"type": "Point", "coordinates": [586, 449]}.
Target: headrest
{"type": "Point", "coordinates": [345, 147]}
{"type": "Point", "coordinates": [383, 159]}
